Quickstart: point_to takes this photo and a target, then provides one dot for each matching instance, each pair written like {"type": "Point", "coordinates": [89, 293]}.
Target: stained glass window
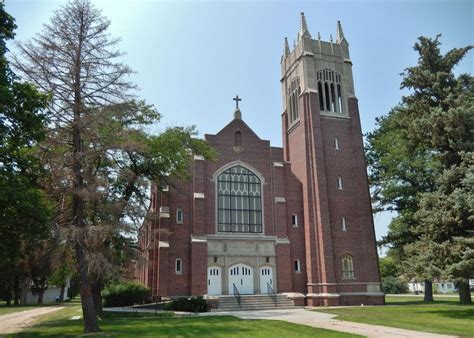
{"type": "Point", "coordinates": [239, 201]}
{"type": "Point", "coordinates": [347, 267]}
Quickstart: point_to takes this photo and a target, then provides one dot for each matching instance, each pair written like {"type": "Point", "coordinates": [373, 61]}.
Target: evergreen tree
{"type": "Point", "coordinates": [435, 121]}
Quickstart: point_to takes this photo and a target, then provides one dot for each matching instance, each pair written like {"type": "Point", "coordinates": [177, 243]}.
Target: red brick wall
{"type": "Point", "coordinates": [307, 181]}
{"type": "Point", "coordinates": [316, 163]}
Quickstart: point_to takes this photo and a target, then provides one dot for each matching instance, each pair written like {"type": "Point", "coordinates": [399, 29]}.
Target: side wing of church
{"type": "Point", "coordinates": [295, 220]}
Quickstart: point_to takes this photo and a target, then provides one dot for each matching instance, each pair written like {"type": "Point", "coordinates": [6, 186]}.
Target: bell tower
{"type": "Point", "coordinates": [322, 140]}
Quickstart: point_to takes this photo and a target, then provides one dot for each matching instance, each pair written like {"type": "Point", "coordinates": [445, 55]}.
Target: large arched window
{"type": "Point", "coordinates": [239, 195]}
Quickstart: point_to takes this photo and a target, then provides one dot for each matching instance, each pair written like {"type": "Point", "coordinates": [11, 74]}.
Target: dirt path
{"type": "Point", "coordinates": [17, 321]}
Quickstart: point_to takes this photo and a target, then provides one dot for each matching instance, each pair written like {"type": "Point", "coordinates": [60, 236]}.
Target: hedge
{"type": "Point", "coordinates": [197, 304]}
{"type": "Point", "coordinates": [126, 294]}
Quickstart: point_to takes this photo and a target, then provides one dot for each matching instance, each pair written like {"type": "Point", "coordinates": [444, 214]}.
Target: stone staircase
{"type": "Point", "coordinates": [255, 302]}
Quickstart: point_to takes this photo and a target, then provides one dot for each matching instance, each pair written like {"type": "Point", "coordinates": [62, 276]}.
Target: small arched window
{"type": "Point", "coordinates": [343, 224]}
{"type": "Point", "coordinates": [238, 139]}
{"type": "Point", "coordinates": [347, 266]}
{"type": "Point", "coordinates": [294, 220]}
{"type": "Point", "coordinates": [336, 143]}
{"type": "Point", "coordinates": [339, 183]}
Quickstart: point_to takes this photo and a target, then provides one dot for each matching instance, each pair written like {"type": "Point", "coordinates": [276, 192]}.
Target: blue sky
{"type": "Point", "coordinates": [192, 57]}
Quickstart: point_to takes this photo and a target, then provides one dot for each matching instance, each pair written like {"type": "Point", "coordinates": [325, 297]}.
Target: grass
{"type": "Point", "coordinates": [444, 316]}
{"type": "Point", "coordinates": [60, 324]}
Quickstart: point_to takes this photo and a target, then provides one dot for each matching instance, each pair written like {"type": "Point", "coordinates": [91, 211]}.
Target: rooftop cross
{"type": "Point", "coordinates": [237, 99]}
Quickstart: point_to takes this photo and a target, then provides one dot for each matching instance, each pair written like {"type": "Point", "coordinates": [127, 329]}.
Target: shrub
{"type": "Point", "coordinates": [126, 294]}
{"type": "Point", "coordinates": [197, 304]}
{"type": "Point", "coordinates": [394, 285]}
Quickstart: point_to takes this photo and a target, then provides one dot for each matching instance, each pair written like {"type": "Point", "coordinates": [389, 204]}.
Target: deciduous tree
{"type": "Point", "coordinates": [100, 157]}
{"type": "Point", "coordinates": [24, 211]}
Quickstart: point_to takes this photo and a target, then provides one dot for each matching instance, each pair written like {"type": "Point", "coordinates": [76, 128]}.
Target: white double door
{"type": "Point", "coordinates": [241, 275]}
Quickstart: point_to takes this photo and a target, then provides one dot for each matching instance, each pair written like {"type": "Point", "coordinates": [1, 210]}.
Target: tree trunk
{"type": "Point", "coordinates": [96, 286]}
{"type": "Point", "coordinates": [88, 311]}
{"type": "Point", "coordinates": [464, 292]}
{"type": "Point", "coordinates": [40, 297]}
{"type": "Point", "coordinates": [24, 290]}
{"type": "Point", "coordinates": [78, 204]}
{"type": "Point", "coordinates": [61, 293]}
{"type": "Point", "coordinates": [428, 291]}
{"type": "Point", "coordinates": [16, 299]}
{"type": "Point", "coordinates": [8, 297]}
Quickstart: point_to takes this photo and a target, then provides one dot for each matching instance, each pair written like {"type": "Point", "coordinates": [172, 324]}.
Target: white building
{"type": "Point", "coordinates": [438, 286]}
{"type": "Point", "coordinates": [49, 295]}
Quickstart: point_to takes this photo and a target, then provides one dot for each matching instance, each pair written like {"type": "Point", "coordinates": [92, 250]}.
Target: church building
{"type": "Point", "coordinates": [293, 220]}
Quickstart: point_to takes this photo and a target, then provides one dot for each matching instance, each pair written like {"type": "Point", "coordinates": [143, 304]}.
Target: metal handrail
{"type": "Point", "coordinates": [272, 294]}
{"type": "Point", "coordinates": [237, 295]}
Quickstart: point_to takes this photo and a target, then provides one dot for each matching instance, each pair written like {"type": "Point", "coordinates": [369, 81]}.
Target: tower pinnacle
{"type": "Point", "coordinates": [304, 33]}
{"type": "Point", "coordinates": [339, 33]}
{"type": "Point", "coordinates": [286, 50]}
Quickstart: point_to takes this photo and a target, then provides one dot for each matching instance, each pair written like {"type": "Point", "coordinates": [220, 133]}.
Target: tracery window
{"type": "Point", "coordinates": [293, 94]}
{"type": "Point", "coordinates": [330, 91]}
{"type": "Point", "coordinates": [239, 201]}
{"type": "Point", "coordinates": [347, 266]}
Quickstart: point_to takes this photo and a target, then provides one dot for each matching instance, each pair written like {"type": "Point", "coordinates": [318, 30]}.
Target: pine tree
{"type": "Point", "coordinates": [435, 121]}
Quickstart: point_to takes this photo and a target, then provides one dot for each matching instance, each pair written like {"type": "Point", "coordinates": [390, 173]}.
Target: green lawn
{"type": "Point", "coordinates": [59, 324]}
{"type": "Point", "coordinates": [445, 315]}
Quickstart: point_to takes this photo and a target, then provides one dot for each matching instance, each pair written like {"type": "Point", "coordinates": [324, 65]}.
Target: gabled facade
{"type": "Point", "coordinates": [263, 219]}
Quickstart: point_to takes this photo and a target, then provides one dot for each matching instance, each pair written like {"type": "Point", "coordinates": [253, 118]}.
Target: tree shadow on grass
{"type": "Point", "coordinates": [458, 314]}
{"type": "Point", "coordinates": [421, 302]}
{"type": "Point", "coordinates": [138, 327]}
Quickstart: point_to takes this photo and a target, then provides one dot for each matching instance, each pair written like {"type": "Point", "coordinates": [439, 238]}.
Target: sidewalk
{"type": "Point", "coordinates": [326, 321]}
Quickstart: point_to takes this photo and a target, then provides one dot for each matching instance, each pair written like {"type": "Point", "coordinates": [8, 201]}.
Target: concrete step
{"type": "Point", "coordinates": [254, 302]}
{"type": "Point", "coordinates": [254, 309]}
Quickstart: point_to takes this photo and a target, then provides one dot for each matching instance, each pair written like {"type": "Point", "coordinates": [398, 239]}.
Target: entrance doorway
{"type": "Point", "coordinates": [214, 280]}
{"type": "Point", "coordinates": [266, 277]}
{"type": "Point", "coordinates": [241, 275]}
